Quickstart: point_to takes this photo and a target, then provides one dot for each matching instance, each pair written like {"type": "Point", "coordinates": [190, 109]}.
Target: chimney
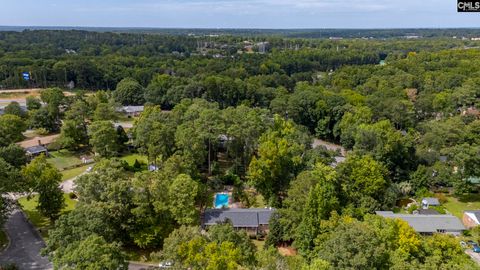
{"type": "Point", "coordinates": [39, 142]}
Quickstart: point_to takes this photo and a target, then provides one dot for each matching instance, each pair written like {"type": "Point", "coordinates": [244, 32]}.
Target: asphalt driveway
{"type": "Point", "coordinates": [25, 244]}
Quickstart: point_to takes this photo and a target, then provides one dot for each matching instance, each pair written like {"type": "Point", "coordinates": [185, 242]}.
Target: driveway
{"type": "Point", "coordinates": [473, 255]}
{"type": "Point", "coordinates": [25, 244]}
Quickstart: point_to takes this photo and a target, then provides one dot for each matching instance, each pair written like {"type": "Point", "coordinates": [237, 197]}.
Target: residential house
{"type": "Point", "coordinates": [253, 220]}
{"type": "Point", "coordinates": [471, 218]}
{"type": "Point", "coordinates": [36, 150]}
{"type": "Point", "coordinates": [131, 111]}
{"type": "Point", "coordinates": [429, 224]}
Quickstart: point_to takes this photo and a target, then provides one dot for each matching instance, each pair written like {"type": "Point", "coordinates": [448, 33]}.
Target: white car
{"type": "Point", "coordinates": [165, 264]}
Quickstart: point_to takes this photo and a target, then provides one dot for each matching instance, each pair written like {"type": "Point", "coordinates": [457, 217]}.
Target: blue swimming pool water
{"type": "Point", "coordinates": [221, 200]}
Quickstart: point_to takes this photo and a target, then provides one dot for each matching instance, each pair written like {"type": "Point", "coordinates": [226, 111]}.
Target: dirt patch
{"type": "Point", "coordinates": [287, 251]}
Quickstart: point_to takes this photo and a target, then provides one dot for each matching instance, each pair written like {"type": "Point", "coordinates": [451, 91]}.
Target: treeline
{"type": "Point", "coordinates": [97, 61]}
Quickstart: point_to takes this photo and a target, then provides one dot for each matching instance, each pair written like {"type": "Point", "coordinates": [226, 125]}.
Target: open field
{"type": "Point", "coordinates": [42, 223]}
{"type": "Point", "coordinates": [456, 205]}
{"type": "Point", "coordinates": [130, 159]}
{"type": "Point", "coordinates": [69, 174]}
{"type": "Point", "coordinates": [63, 159]}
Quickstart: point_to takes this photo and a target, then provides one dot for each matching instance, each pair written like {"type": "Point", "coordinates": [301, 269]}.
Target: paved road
{"type": "Point", "coordinates": [473, 255]}
{"type": "Point", "coordinates": [25, 244]}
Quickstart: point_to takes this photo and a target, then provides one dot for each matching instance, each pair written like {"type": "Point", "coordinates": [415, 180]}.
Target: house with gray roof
{"type": "Point", "coordinates": [131, 110]}
{"type": "Point", "coordinates": [471, 218]}
{"type": "Point", "coordinates": [36, 150]}
{"type": "Point", "coordinates": [428, 224]}
{"type": "Point", "coordinates": [253, 220]}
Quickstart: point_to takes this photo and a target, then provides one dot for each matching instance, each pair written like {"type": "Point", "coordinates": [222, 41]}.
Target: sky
{"type": "Point", "coordinates": [237, 13]}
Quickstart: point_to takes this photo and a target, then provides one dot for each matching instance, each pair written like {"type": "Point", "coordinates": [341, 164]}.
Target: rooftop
{"type": "Point", "coordinates": [431, 201]}
{"type": "Point", "coordinates": [252, 217]}
{"type": "Point", "coordinates": [427, 223]}
{"type": "Point", "coordinates": [35, 149]}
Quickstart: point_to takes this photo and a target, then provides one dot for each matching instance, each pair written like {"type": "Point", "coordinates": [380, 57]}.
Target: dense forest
{"type": "Point", "coordinates": [239, 111]}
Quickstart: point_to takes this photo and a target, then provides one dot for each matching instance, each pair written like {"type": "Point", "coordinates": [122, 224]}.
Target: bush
{"type": "Point", "coordinates": [41, 131]}
{"type": "Point", "coordinates": [441, 198]}
{"type": "Point", "coordinates": [10, 266]}
{"type": "Point", "coordinates": [412, 208]}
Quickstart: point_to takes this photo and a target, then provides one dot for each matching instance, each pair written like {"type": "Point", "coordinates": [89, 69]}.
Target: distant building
{"type": "Point", "coordinates": [429, 224]}
{"type": "Point", "coordinates": [253, 220]}
{"type": "Point", "coordinates": [471, 218]}
{"type": "Point", "coordinates": [427, 202]}
{"type": "Point", "coordinates": [131, 111]}
{"type": "Point", "coordinates": [37, 150]}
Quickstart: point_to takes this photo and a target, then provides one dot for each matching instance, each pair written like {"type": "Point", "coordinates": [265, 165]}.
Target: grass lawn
{"type": "Point", "coordinates": [130, 159]}
{"type": "Point", "coordinates": [69, 174]}
{"type": "Point", "coordinates": [3, 240]}
{"type": "Point", "coordinates": [259, 244]}
{"type": "Point", "coordinates": [63, 159]}
{"type": "Point", "coordinates": [456, 205]}
{"type": "Point", "coordinates": [42, 223]}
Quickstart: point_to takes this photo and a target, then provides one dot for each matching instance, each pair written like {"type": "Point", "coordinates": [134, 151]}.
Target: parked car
{"type": "Point", "coordinates": [476, 248]}
{"type": "Point", "coordinates": [471, 243]}
{"type": "Point", "coordinates": [165, 264]}
{"type": "Point", "coordinates": [463, 244]}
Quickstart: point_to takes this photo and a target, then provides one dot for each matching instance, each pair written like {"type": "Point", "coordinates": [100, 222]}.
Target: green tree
{"type": "Point", "coordinates": [364, 184]}
{"type": "Point", "coordinates": [92, 253]}
{"type": "Point", "coordinates": [182, 193]}
{"type": "Point", "coordinates": [33, 103]}
{"type": "Point", "coordinates": [14, 108]}
{"type": "Point", "coordinates": [198, 253]}
{"type": "Point", "coordinates": [354, 246]}
{"type": "Point", "coordinates": [103, 138]}
{"type": "Point", "coordinates": [104, 111]}
{"type": "Point", "coordinates": [42, 118]}
{"type": "Point", "coordinates": [154, 134]}
{"type": "Point", "coordinates": [129, 92]}
{"type": "Point", "coordinates": [44, 178]}
{"type": "Point", "coordinates": [11, 128]}
{"type": "Point", "coordinates": [14, 155]}
{"type": "Point", "coordinates": [226, 233]}
{"type": "Point", "coordinates": [279, 160]}
{"type": "Point", "coordinates": [322, 200]}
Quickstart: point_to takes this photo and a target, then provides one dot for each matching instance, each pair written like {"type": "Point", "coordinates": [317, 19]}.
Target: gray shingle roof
{"type": "Point", "coordinates": [132, 109]}
{"type": "Point", "coordinates": [35, 149]}
{"type": "Point", "coordinates": [427, 223]}
{"type": "Point", "coordinates": [431, 201]}
{"type": "Point", "coordinates": [252, 217]}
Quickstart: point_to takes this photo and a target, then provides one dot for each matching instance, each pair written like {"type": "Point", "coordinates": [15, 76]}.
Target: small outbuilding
{"type": "Point", "coordinates": [427, 202]}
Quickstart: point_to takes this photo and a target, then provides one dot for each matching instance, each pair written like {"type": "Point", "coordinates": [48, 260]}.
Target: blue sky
{"type": "Point", "coordinates": [237, 13]}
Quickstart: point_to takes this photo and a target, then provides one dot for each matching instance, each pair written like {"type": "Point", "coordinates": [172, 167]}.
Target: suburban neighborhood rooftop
{"type": "Point", "coordinates": [252, 217]}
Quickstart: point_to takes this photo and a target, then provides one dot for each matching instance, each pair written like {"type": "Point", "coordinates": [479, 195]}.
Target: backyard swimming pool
{"type": "Point", "coordinates": [221, 200]}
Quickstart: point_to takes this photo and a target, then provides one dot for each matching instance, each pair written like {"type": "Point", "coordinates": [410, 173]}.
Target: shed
{"type": "Point", "coordinates": [426, 202]}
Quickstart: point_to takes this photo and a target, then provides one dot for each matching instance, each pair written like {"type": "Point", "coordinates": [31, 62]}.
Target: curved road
{"type": "Point", "coordinates": [25, 244]}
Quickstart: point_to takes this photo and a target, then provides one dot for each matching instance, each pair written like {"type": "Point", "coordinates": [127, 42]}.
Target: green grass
{"type": "Point", "coordinates": [69, 174]}
{"type": "Point", "coordinates": [42, 223]}
{"type": "Point", "coordinates": [130, 159]}
{"type": "Point", "coordinates": [63, 159]}
{"type": "Point", "coordinates": [3, 240]}
{"type": "Point", "coordinates": [456, 205]}
{"type": "Point", "coordinates": [259, 244]}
